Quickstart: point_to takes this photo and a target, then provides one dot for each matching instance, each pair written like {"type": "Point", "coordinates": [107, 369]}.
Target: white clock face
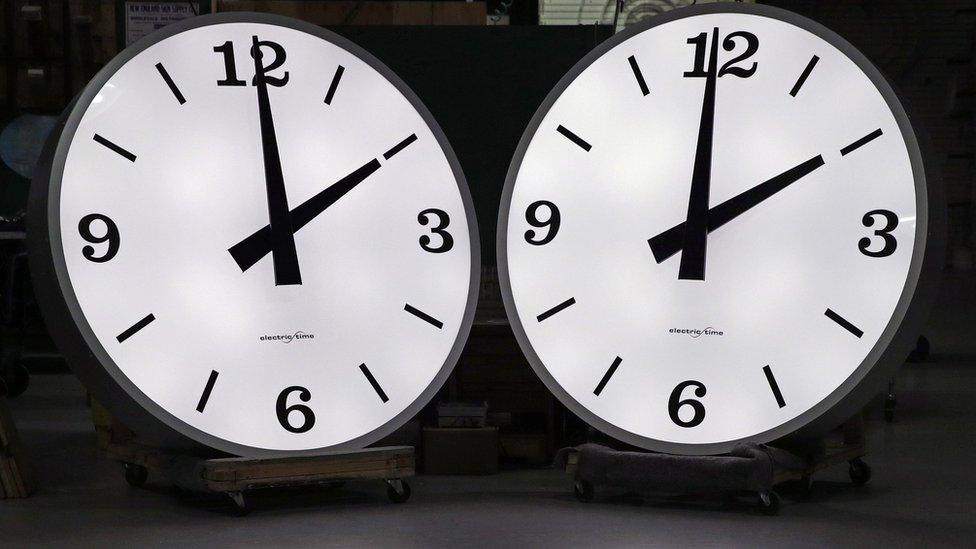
{"type": "Point", "coordinates": [709, 230]}
{"type": "Point", "coordinates": [276, 252]}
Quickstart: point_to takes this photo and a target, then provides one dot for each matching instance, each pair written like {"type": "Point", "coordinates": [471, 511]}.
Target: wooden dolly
{"type": "Point", "coordinates": [234, 476]}
{"type": "Point", "coordinates": [845, 444]}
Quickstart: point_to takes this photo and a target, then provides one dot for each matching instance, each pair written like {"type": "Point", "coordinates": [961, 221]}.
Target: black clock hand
{"type": "Point", "coordinates": [252, 249]}
{"type": "Point", "coordinates": [669, 242]}
{"type": "Point", "coordinates": [696, 225]}
{"type": "Point", "coordinates": [282, 235]}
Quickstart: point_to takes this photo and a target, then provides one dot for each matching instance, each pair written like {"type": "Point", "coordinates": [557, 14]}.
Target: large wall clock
{"type": "Point", "coordinates": [714, 230]}
{"type": "Point", "coordinates": [252, 235]}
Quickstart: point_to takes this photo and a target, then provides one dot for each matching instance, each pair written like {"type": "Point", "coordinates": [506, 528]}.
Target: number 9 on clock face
{"type": "Point", "coordinates": [253, 233]}
{"type": "Point", "coordinates": [713, 230]}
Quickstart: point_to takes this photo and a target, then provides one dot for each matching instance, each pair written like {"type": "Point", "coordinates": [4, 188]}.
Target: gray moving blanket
{"type": "Point", "coordinates": [750, 467]}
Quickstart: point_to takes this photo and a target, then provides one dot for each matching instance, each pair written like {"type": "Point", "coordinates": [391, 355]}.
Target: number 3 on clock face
{"type": "Point", "coordinates": [262, 237]}
{"type": "Point", "coordinates": [713, 229]}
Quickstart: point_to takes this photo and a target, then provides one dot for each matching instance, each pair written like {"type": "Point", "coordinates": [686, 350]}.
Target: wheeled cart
{"type": "Point", "coordinates": [235, 476]}
{"type": "Point", "coordinates": [754, 468]}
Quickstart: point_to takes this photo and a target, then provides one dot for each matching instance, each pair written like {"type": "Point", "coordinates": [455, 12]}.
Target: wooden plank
{"type": "Point", "coordinates": [307, 472]}
{"type": "Point", "coordinates": [412, 13]}
{"type": "Point", "coordinates": [20, 482]}
{"type": "Point", "coordinates": [7, 484]}
{"type": "Point", "coordinates": [844, 444]}
{"type": "Point", "coordinates": [366, 12]}
{"type": "Point", "coordinates": [13, 470]}
{"type": "Point", "coordinates": [242, 484]}
{"type": "Point", "coordinates": [243, 469]}
{"type": "Point", "coordinates": [8, 431]}
{"type": "Point", "coordinates": [235, 474]}
{"type": "Point", "coordinates": [150, 458]}
{"type": "Point", "coordinates": [258, 471]}
{"type": "Point", "coordinates": [378, 451]}
{"type": "Point", "coordinates": [15, 483]}
{"type": "Point", "coordinates": [246, 484]}
{"type": "Point", "coordinates": [319, 13]}
{"type": "Point", "coordinates": [459, 13]}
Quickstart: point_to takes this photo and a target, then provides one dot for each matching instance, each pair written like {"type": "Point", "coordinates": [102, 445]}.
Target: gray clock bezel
{"type": "Point", "coordinates": [68, 325]}
{"type": "Point", "coordinates": [905, 323]}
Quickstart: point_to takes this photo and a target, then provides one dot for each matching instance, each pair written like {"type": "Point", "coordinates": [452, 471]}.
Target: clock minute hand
{"type": "Point", "coordinates": [670, 242]}
{"type": "Point", "coordinates": [282, 235]}
{"type": "Point", "coordinates": [696, 224]}
{"type": "Point", "coordinates": [252, 249]}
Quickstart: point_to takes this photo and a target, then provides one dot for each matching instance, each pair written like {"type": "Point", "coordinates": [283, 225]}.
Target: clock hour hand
{"type": "Point", "coordinates": [252, 249]}
{"type": "Point", "coordinates": [670, 241]}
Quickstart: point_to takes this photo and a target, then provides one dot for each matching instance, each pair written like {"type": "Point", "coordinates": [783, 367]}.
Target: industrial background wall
{"type": "Point", "coordinates": [482, 84]}
{"type": "Point", "coordinates": [51, 48]}
{"type": "Point", "coordinates": [928, 50]}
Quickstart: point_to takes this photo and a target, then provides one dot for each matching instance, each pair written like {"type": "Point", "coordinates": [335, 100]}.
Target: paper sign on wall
{"type": "Point", "coordinates": [142, 18]}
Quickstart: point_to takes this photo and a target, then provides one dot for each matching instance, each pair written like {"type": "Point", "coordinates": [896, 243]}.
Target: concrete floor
{"type": "Point", "coordinates": [923, 490]}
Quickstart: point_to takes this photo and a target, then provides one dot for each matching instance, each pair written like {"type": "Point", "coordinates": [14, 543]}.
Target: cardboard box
{"type": "Point", "coordinates": [529, 448]}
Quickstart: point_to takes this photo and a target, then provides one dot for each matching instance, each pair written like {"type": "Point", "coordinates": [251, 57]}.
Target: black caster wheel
{"type": "Point", "coordinates": [135, 475]}
{"type": "Point", "coordinates": [583, 491]}
{"type": "Point", "coordinates": [240, 506]}
{"type": "Point", "coordinates": [397, 490]}
{"type": "Point", "coordinates": [769, 503]}
{"type": "Point", "coordinates": [859, 471]}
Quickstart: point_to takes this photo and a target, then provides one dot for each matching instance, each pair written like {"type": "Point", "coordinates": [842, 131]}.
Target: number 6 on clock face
{"type": "Point", "coordinates": [232, 246]}
{"type": "Point", "coordinates": [714, 230]}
